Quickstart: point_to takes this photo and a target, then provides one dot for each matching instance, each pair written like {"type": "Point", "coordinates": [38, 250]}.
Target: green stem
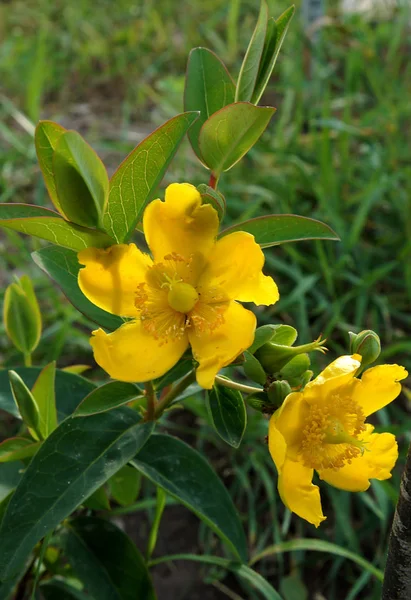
{"type": "Point", "coordinates": [27, 360]}
{"type": "Point", "coordinates": [247, 389]}
{"type": "Point", "coordinates": [174, 393]}
{"type": "Point", "coordinates": [151, 401]}
{"type": "Point", "coordinates": [39, 563]}
{"type": "Point", "coordinates": [160, 505]}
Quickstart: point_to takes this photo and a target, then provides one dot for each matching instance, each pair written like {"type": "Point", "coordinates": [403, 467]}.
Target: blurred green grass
{"type": "Point", "coordinates": [337, 150]}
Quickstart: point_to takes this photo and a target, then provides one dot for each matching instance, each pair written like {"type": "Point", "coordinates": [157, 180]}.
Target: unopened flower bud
{"type": "Point", "coordinates": [273, 357]}
{"type": "Point", "coordinates": [367, 345]}
{"type": "Point", "coordinates": [277, 392]}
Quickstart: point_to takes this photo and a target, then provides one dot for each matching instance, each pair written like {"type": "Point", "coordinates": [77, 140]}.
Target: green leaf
{"type": "Point", "coordinates": [21, 316]}
{"type": "Point", "coordinates": [107, 397]}
{"type": "Point", "coordinates": [10, 475]}
{"type": "Point", "coordinates": [252, 577]}
{"type": "Point", "coordinates": [279, 229]}
{"type": "Point", "coordinates": [81, 180]}
{"type": "Point", "coordinates": [228, 414]}
{"type": "Point", "coordinates": [135, 181]}
{"type": "Point", "coordinates": [107, 561]}
{"type": "Point", "coordinates": [253, 369]}
{"type": "Point", "coordinates": [70, 390]}
{"type": "Point", "coordinates": [45, 397]}
{"type": "Point", "coordinates": [98, 500]}
{"type": "Point", "coordinates": [252, 59]}
{"type": "Point", "coordinates": [125, 485]}
{"type": "Point", "coordinates": [230, 133]}
{"type": "Point", "coordinates": [77, 458]}
{"type": "Point", "coordinates": [262, 335]}
{"type": "Point", "coordinates": [26, 403]}
{"type": "Point", "coordinates": [50, 226]}
{"type": "Point", "coordinates": [185, 474]}
{"type": "Point", "coordinates": [46, 137]}
{"type": "Point", "coordinates": [55, 589]}
{"type": "Point", "coordinates": [17, 448]}
{"type": "Point", "coordinates": [62, 266]}
{"type": "Point", "coordinates": [318, 546]}
{"type": "Point", "coordinates": [276, 32]}
{"type": "Point", "coordinates": [211, 196]}
{"type": "Point", "coordinates": [208, 88]}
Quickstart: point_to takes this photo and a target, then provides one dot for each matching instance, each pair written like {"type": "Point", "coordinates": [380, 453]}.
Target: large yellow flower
{"type": "Point", "coordinates": [323, 428]}
{"type": "Point", "coordinates": [185, 294]}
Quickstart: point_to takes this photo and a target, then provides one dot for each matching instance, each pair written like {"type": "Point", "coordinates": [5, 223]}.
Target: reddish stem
{"type": "Point", "coordinates": [213, 181]}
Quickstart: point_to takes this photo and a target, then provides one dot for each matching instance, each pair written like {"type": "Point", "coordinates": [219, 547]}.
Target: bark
{"type": "Point", "coordinates": [397, 579]}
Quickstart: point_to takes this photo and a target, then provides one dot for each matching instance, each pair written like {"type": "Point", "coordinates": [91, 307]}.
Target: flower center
{"type": "Point", "coordinates": [330, 437]}
{"type": "Point", "coordinates": [182, 297]}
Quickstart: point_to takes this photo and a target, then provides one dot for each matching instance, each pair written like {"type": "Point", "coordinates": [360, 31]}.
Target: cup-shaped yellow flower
{"type": "Point", "coordinates": [185, 293]}
{"type": "Point", "coordinates": [323, 428]}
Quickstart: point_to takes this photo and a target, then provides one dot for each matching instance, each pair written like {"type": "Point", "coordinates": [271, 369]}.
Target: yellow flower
{"type": "Point", "coordinates": [185, 294]}
{"type": "Point", "coordinates": [323, 428]}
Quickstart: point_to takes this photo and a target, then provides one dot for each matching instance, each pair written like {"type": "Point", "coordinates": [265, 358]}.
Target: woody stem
{"type": "Point", "coordinates": [151, 401]}
{"type": "Point", "coordinates": [397, 578]}
{"type": "Point", "coordinates": [174, 393]}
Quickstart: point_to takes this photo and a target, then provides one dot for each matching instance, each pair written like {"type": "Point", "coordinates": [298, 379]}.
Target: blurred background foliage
{"type": "Point", "coordinates": [337, 149]}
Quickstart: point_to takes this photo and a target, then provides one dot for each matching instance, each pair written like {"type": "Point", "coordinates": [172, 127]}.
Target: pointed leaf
{"type": "Point", "coordinates": [17, 448]}
{"type": "Point", "coordinates": [276, 33]}
{"type": "Point", "coordinates": [81, 180]}
{"type": "Point", "coordinates": [46, 137]}
{"type": "Point", "coordinates": [228, 414]}
{"type": "Point", "coordinates": [50, 226]}
{"type": "Point", "coordinates": [230, 133]}
{"type": "Point", "coordinates": [63, 267]}
{"type": "Point", "coordinates": [26, 403]}
{"type": "Point", "coordinates": [10, 475]}
{"type": "Point", "coordinates": [21, 316]}
{"type": "Point", "coordinates": [107, 397]}
{"type": "Point", "coordinates": [185, 474]}
{"type": "Point", "coordinates": [208, 88]}
{"type": "Point", "coordinates": [107, 561]}
{"type": "Point", "coordinates": [70, 390]}
{"type": "Point", "coordinates": [44, 394]}
{"type": "Point", "coordinates": [273, 230]}
{"type": "Point", "coordinates": [77, 458]}
{"type": "Point", "coordinates": [134, 183]}
{"type": "Point", "coordinates": [252, 60]}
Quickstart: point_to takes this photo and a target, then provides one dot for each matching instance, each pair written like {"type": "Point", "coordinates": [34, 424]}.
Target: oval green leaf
{"type": "Point", "coordinates": [50, 226]}
{"type": "Point", "coordinates": [107, 397]}
{"type": "Point", "coordinates": [125, 485]}
{"type": "Point", "coordinates": [185, 474]}
{"type": "Point", "coordinates": [70, 390]}
{"type": "Point", "coordinates": [25, 402]}
{"type": "Point", "coordinates": [107, 561]}
{"type": "Point", "coordinates": [46, 137]}
{"type": "Point", "coordinates": [273, 230]}
{"type": "Point", "coordinates": [21, 316]}
{"type": "Point", "coordinates": [230, 133]}
{"type": "Point", "coordinates": [45, 397]}
{"type": "Point", "coordinates": [228, 414]}
{"type": "Point", "coordinates": [17, 448]}
{"type": "Point", "coordinates": [253, 57]}
{"type": "Point", "coordinates": [135, 181]}
{"type": "Point", "coordinates": [208, 88]}
{"type": "Point", "coordinates": [62, 266]}
{"type": "Point", "coordinates": [81, 180]}
{"type": "Point", "coordinates": [78, 457]}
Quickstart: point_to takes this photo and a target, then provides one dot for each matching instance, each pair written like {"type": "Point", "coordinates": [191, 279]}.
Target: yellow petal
{"type": "Point", "coordinates": [298, 493]}
{"type": "Point", "coordinates": [132, 354]}
{"type": "Point", "coordinates": [276, 443]}
{"type": "Point", "coordinates": [218, 348]}
{"type": "Point", "coordinates": [291, 419]}
{"type": "Point", "coordinates": [180, 224]}
{"type": "Point", "coordinates": [110, 277]}
{"type": "Point", "coordinates": [377, 462]}
{"type": "Point", "coordinates": [339, 373]}
{"type": "Point", "coordinates": [235, 265]}
{"type": "Point", "coordinates": [378, 387]}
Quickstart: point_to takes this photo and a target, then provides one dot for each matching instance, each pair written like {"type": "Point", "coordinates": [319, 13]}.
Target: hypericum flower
{"type": "Point", "coordinates": [185, 294]}
{"type": "Point", "coordinates": [323, 428]}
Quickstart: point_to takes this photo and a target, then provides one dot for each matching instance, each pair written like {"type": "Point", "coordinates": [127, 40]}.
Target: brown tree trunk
{"type": "Point", "coordinates": [397, 578]}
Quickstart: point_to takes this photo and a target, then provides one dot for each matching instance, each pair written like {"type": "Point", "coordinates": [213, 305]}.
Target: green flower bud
{"type": "Point", "coordinates": [277, 392]}
{"type": "Point", "coordinates": [259, 401]}
{"type": "Point", "coordinates": [21, 316]}
{"type": "Point", "coordinates": [367, 344]}
{"type": "Point", "coordinates": [273, 357]}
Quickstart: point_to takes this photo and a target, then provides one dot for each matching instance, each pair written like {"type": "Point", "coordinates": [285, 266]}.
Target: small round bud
{"type": "Point", "coordinates": [277, 392]}
{"type": "Point", "coordinates": [367, 345]}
